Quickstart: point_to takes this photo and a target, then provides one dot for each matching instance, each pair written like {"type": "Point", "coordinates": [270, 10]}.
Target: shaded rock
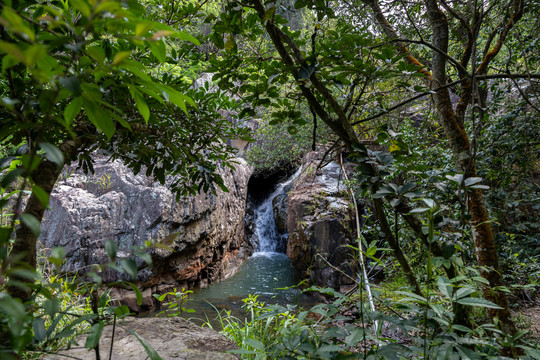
{"type": "Point", "coordinates": [205, 233]}
{"type": "Point", "coordinates": [320, 222]}
{"type": "Point", "coordinates": [171, 338]}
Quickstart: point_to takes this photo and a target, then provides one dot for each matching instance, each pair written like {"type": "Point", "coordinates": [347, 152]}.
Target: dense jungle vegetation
{"type": "Point", "coordinates": [434, 101]}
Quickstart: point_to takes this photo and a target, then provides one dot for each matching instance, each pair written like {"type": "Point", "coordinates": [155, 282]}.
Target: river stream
{"type": "Point", "coordinates": [267, 273]}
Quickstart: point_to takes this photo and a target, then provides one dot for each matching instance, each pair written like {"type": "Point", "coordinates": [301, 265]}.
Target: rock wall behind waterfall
{"type": "Point", "coordinates": [130, 209]}
{"type": "Point", "coordinates": [320, 224]}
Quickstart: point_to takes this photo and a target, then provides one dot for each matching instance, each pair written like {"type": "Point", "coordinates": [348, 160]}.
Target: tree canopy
{"type": "Point", "coordinates": [81, 77]}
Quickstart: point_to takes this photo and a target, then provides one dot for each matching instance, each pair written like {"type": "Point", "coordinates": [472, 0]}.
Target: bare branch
{"type": "Point", "coordinates": [516, 16]}
{"type": "Point", "coordinates": [421, 95]}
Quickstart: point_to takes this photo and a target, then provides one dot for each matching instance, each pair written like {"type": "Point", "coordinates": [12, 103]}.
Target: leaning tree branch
{"type": "Point", "coordinates": [518, 13]}
{"type": "Point", "coordinates": [419, 96]}
{"type": "Point", "coordinates": [460, 67]}
{"type": "Point", "coordinates": [389, 31]}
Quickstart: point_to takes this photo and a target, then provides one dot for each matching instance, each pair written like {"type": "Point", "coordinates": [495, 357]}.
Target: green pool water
{"type": "Point", "coordinates": [269, 275]}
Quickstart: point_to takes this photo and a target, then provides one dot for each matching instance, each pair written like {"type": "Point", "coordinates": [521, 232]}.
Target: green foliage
{"type": "Point", "coordinates": [281, 143]}
{"type": "Point", "coordinates": [115, 76]}
{"type": "Point", "coordinates": [410, 326]}
{"type": "Point", "coordinates": [423, 164]}
{"type": "Point", "coordinates": [110, 94]}
{"type": "Point", "coordinates": [266, 333]}
{"type": "Point", "coordinates": [176, 304]}
{"type": "Point", "coordinates": [62, 308]}
{"type": "Point", "coordinates": [58, 313]}
{"type": "Point", "coordinates": [274, 332]}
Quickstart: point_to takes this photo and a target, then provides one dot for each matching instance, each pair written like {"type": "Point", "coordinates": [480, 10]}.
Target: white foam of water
{"type": "Point", "coordinates": [267, 254]}
{"type": "Point", "coordinates": [265, 225]}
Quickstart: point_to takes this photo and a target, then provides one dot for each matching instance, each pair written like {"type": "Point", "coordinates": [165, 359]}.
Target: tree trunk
{"type": "Point", "coordinates": [484, 244]}
{"type": "Point", "coordinates": [44, 176]}
{"type": "Point", "coordinates": [24, 247]}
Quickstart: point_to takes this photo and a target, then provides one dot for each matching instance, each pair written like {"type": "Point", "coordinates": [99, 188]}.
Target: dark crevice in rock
{"type": "Point", "coordinates": [262, 183]}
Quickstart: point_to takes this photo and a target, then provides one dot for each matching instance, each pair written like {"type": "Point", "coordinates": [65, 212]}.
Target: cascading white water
{"type": "Point", "coordinates": [265, 225]}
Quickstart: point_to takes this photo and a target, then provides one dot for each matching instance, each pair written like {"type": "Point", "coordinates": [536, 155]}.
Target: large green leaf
{"type": "Point", "coordinates": [53, 153]}
{"type": "Point", "coordinates": [130, 267]}
{"type": "Point", "coordinates": [158, 50]}
{"type": "Point", "coordinates": [94, 335]}
{"type": "Point", "coordinates": [254, 343]}
{"type": "Point", "coordinates": [72, 84]}
{"type": "Point", "coordinates": [478, 302]}
{"type": "Point", "coordinates": [138, 293]}
{"type": "Point", "coordinates": [187, 37]}
{"type": "Point", "coordinates": [100, 118]}
{"type": "Point", "coordinates": [72, 110]}
{"type": "Point", "coordinates": [39, 329]}
{"type": "Point", "coordinates": [41, 195]}
{"type": "Point", "coordinates": [111, 248]}
{"type": "Point", "coordinates": [176, 97]}
{"type": "Point", "coordinates": [142, 106]}
{"type": "Point", "coordinates": [31, 223]}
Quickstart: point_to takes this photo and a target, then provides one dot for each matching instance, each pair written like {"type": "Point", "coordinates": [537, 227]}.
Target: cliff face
{"type": "Point", "coordinates": [206, 232]}
{"type": "Point", "coordinates": [320, 224]}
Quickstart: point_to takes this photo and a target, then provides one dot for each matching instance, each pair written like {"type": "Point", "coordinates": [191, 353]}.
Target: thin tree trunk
{"type": "Point", "coordinates": [394, 244]}
{"type": "Point", "coordinates": [25, 244]}
{"type": "Point", "coordinates": [484, 244]}
{"type": "Point", "coordinates": [24, 247]}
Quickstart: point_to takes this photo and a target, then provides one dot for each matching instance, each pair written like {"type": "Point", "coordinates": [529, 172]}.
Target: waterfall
{"type": "Point", "coordinates": [265, 226]}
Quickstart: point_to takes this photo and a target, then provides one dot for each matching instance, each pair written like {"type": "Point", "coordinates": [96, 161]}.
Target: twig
{"type": "Point", "coordinates": [338, 270]}
{"type": "Point", "coordinates": [359, 236]}
{"type": "Point", "coordinates": [478, 77]}
{"type": "Point", "coordinates": [112, 337]}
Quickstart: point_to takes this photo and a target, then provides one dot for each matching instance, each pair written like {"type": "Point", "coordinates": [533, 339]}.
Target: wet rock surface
{"type": "Point", "coordinates": [320, 223]}
{"type": "Point", "coordinates": [171, 338]}
{"type": "Point", "coordinates": [280, 206]}
{"type": "Point", "coordinates": [205, 234]}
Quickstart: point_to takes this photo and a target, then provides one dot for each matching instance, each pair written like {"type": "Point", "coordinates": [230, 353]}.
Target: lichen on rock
{"type": "Point", "coordinates": [320, 224]}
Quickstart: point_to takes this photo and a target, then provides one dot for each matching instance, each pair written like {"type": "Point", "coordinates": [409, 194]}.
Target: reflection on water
{"type": "Point", "coordinates": [265, 274]}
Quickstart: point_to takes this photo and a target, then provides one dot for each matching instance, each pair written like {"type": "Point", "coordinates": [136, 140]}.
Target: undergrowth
{"type": "Point", "coordinates": [412, 327]}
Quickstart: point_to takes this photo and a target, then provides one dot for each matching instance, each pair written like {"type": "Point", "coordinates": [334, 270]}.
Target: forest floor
{"type": "Point", "coordinates": [529, 319]}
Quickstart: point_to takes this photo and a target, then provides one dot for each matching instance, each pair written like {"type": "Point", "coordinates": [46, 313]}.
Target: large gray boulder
{"type": "Point", "coordinates": [205, 232]}
{"type": "Point", "coordinates": [320, 223]}
{"type": "Point", "coordinates": [171, 338]}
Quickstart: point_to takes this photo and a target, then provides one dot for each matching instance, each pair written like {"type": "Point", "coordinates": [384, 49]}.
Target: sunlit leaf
{"type": "Point", "coordinates": [120, 57]}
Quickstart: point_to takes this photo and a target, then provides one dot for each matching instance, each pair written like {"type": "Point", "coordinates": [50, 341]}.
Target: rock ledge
{"type": "Point", "coordinates": [172, 338]}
